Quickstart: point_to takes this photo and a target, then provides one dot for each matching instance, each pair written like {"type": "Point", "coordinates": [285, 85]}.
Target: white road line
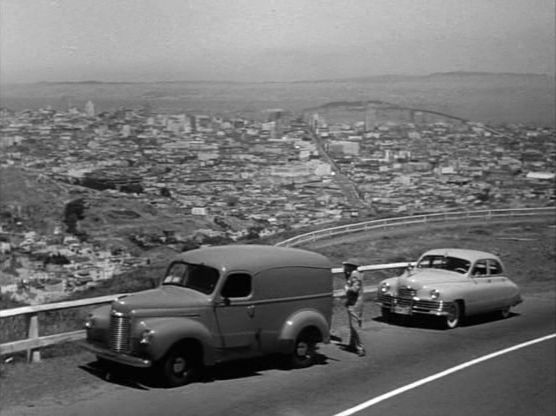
{"type": "Point", "coordinates": [436, 376]}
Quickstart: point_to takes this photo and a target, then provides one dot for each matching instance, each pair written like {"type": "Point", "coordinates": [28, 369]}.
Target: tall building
{"type": "Point", "coordinates": [90, 109]}
{"type": "Point", "coordinates": [370, 118]}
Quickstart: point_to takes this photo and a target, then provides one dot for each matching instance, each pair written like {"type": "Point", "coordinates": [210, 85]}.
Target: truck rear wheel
{"type": "Point", "coordinates": [305, 350]}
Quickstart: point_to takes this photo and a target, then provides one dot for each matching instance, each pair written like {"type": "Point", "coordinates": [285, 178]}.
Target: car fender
{"type": "Point", "coordinates": [297, 322]}
{"type": "Point", "coordinates": [167, 332]}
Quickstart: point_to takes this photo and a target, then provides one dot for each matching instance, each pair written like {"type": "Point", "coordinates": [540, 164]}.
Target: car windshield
{"type": "Point", "coordinates": [453, 264]}
{"type": "Point", "coordinates": [192, 276]}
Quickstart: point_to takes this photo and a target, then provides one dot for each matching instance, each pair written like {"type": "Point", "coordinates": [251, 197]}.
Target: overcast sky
{"type": "Point", "coordinates": [279, 40]}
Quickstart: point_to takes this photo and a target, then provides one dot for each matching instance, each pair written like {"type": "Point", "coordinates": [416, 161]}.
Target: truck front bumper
{"type": "Point", "coordinates": [117, 357]}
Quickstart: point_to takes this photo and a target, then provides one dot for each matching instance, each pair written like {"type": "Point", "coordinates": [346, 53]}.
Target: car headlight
{"type": "Point", "coordinates": [146, 336]}
{"type": "Point", "coordinates": [435, 294]}
{"type": "Point", "coordinates": [384, 287]}
{"type": "Point", "coordinates": [89, 321]}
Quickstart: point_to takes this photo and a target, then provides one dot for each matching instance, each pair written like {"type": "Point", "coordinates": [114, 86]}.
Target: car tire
{"type": "Point", "coordinates": [386, 314]}
{"type": "Point", "coordinates": [455, 316]}
{"type": "Point", "coordinates": [178, 367]}
{"type": "Point", "coordinates": [505, 313]}
{"type": "Point", "coordinates": [103, 361]}
{"type": "Point", "coordinates": [304, 352]}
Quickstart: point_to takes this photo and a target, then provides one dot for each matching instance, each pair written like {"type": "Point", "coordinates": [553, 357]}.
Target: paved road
{"type": "Point", "coordinates": [518, 383]}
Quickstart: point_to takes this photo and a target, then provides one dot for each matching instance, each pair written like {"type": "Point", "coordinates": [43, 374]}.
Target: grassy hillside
{"type": "Point", "coordinates": [32, 201]}
{"type": "Point", "coordinates": [527, 249]}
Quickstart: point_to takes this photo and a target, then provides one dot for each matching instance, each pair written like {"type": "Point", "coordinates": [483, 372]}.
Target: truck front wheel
{"type": "Point", "coordinates": [179, 366]}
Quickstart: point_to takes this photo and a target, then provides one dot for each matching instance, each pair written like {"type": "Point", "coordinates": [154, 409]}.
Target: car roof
{"type": "Point", "coordinates": [253, 257]}
{"type": "Point", "coordinates": [471, 255]}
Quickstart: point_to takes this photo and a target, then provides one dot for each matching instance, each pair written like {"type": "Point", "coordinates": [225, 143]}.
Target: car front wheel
{"type": "Point", "coordinates": [454, 317]}
{"type": "Point", "coordinates": [505, 313]}
{"type": "Point", "coordinates": [386, 314]}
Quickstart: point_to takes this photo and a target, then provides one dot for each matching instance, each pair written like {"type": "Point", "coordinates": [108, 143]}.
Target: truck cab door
{"type": "Point", "coordinates": [235, 312]}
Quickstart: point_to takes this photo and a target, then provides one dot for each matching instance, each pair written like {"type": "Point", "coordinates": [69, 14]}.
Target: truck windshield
{"type": "Point", "coordinates": [453, 264]}
{"type": "Point", "coordinates": [192, 276]}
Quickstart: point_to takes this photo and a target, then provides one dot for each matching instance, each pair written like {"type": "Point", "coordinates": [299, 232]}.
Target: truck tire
{"type": "Point", "coordinates": [305, 350]}
{"type": "Point", "coordinates": [179, 366]}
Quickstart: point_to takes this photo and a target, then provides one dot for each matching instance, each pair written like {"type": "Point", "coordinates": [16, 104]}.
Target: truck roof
{"type": "Point", "coordinates": [253, 257]}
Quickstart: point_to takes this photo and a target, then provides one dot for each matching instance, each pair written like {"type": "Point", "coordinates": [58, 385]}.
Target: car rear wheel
{"type": "Point", "coordinates": [455, 315]}
{"type": "Point", "coordinates": [178, 367]}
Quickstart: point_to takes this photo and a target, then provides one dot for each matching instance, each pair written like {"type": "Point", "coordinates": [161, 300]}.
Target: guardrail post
{"type": "Point", "coordinates": [33, 356]}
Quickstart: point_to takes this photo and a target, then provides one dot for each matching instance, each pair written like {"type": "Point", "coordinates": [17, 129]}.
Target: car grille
{"type": "Point", "coordinates": [119, 332]}
{"type": "Point", "coordinates": [417, 305]}
{"type": "Point", "coordinates": [406, 292]}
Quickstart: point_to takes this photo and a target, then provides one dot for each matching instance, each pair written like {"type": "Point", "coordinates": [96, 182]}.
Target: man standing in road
{"type": "Point", "coordinates": [354, 303]}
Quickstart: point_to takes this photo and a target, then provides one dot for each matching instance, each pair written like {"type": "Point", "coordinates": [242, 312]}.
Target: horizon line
{"type": "Point", "coordinates": [339, 79]}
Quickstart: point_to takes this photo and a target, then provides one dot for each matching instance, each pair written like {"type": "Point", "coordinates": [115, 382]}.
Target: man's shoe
{"type": "Point", "coordinates": [361, 353]}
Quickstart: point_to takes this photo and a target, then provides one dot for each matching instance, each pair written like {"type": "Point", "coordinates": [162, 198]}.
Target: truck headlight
{"type": "Point", "coordinates": [146, 336]}
{"type": "Point", "coordinates": [384, 287]}
{"type": "Point", "coordinates": [89, 321]}
{"type": "Point", "coordinates": [435, 294]}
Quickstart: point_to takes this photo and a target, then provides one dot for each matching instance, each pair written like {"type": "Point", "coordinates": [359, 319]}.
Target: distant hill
{"type": "Point", "coordinates": [370, 78]}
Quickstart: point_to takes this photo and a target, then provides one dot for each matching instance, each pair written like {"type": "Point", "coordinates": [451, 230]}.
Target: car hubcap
{"type": "Point", "coordinates": [453, 316]}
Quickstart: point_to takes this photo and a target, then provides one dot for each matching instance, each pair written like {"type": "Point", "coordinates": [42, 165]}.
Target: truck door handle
{"type": "Point", "coordinates": [251, 311]}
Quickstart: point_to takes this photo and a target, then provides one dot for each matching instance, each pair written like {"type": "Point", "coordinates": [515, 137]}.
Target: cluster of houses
{"type": "Point", "coordinates": [408, 168]}
{"type": "Point", "coordinates": [260, 178]}
{"type": "Point", "coordinates": [38, 268]}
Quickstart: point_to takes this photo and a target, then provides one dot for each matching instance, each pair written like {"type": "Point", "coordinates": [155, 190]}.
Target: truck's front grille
{"type": "Point", "coordinates": [119, 332]}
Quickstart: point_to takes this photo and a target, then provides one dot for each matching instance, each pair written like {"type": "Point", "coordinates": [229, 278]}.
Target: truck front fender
{"type": "Point", "coordinates": [166, 332]}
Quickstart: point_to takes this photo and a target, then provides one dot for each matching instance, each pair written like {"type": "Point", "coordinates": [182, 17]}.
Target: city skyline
{"type": "Point", "coordinates": [243, 40]}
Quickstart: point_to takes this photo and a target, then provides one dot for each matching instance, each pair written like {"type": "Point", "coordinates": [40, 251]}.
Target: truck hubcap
{"type": "Point", "coordinates": [302, 349]}
{"type": "Point", "coordinates": [178, 366]}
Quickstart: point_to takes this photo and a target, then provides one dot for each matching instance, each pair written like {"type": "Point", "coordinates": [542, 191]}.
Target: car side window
{"type": "Point", "coordinates": [238, 285]}
{"type": "Point", "coordinates": [480, 269]}
{"type": "Point", "coordinates": [494, 267]}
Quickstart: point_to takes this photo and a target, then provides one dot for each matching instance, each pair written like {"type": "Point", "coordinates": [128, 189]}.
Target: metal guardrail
{"type": "Point", "coordinates": [492, 214]}
{"type": "Point", "coordinates": [34, 341]}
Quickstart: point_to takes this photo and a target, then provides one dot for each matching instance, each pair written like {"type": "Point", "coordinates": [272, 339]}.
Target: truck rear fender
{"type": "Point", "coordinates": [304, 320]}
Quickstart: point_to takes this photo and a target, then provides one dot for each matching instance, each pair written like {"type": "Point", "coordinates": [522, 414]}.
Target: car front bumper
{"type": "Point", "coordinates": [117, 357]}
{"type": "Point", "coordinates": [409, 306]}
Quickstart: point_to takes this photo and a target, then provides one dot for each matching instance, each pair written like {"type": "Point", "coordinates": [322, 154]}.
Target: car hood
{"type": "Point", "coordinates": [426, 277]}
{"type": "Point", "coordinates": [162, 299]}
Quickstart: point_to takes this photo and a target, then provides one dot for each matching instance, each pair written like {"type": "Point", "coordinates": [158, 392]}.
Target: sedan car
{"type": "Point", "coordinates": [450, 284]}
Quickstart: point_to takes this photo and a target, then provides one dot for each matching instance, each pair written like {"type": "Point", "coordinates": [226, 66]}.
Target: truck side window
{"type": "Point", "coordinates": [237, 285]}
